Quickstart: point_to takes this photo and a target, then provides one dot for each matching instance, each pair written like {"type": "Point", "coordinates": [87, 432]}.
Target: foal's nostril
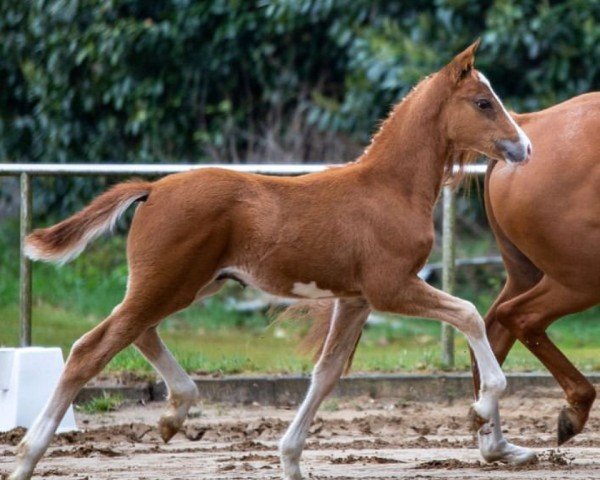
{"type": "Point", "coordinates": [514, 152]}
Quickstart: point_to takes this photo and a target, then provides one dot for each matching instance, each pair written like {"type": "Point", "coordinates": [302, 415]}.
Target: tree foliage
{"type": "Point", "coordinates": [237, 80]}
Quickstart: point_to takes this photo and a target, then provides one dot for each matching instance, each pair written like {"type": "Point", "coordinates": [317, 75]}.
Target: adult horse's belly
{"type": "Point", "coordinates": [550, 207]}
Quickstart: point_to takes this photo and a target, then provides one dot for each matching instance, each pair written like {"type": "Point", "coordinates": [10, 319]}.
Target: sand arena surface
{"type": "Point", "coordinates": [351, 439]}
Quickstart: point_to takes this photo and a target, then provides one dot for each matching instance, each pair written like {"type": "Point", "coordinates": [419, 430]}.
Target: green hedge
{"type": "Point", "coordinates": [195, 80]}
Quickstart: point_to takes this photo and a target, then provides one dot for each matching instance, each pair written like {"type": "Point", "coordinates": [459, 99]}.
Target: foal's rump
{"type": "Point", "coordinates": [173, 206]}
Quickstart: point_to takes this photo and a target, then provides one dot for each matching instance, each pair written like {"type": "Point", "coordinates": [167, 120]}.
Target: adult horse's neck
{"type": "Point", "coordinates": [410, 150]}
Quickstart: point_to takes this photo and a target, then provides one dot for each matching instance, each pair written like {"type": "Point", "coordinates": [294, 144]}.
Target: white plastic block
{"type": "Point", "coordinates": [28, 377]}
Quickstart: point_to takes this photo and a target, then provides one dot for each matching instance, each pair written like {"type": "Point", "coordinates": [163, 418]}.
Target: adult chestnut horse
{"type": "Point", "coordinates": [358, 234]}
{"type": "Point", "coordinates": [546, 218]}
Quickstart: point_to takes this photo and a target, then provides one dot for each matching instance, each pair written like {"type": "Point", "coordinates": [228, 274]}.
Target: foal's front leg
{"type": "Point", "coordinates": [418, 299]}
{"type": "Point", "coordinates": [347, 321]}
{"type": "Point", "coordinates": [492, 444]}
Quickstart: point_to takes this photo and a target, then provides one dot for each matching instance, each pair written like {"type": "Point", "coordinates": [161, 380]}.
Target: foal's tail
{"type": "Point", "coordinates": [319, 313]}
{"type": "Point", "coordinates": [67, 239]}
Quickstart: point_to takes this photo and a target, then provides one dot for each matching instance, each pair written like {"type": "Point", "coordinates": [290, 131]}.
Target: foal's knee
{"type": "Point", "coordinates": [79, 366]}
{"type": "Point", "coordinates": [469, 321]}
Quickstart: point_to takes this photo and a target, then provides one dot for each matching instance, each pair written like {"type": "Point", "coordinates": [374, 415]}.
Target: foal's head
{"type": "Point", "coordinates": [474, 117]}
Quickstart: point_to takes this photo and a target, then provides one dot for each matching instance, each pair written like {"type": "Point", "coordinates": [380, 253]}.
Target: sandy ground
{"type": "Point", "coordinates": [356, 439]}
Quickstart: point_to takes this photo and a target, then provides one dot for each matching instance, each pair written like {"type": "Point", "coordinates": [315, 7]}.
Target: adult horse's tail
{"type": "Point", "coordinates": [67, 239]}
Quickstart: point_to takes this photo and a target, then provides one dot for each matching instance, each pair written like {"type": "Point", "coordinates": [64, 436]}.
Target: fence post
{"type": "Point", "coordinates": [448, 269]}
{"type": "Point", "coordinates": [25, 263]}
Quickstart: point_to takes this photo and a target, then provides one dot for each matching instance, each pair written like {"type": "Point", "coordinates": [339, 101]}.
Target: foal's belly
{"type": "Point", "coordinates": [289, 279]}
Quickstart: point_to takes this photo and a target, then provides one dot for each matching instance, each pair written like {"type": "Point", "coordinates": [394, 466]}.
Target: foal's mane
{"type": "Point", "coordinates": [433, 91]}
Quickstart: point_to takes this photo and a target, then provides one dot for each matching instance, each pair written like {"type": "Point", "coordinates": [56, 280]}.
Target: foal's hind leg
{"type": "Point", "coordinates": [182, 389]}
{"type": "Point", "coordinates": [88, 357]}
{"type": "Point", "coordinates": [142, 308]}
{"type": "Point", "coordinates": [347, 321]}
{"type": "Point", "coordinates": [527, 316]}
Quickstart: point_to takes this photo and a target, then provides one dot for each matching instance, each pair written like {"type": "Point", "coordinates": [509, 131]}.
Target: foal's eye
{"type": "Point", "coordinates": [483, 104]}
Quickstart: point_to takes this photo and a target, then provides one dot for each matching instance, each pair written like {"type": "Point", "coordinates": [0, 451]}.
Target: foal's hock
{"type": "Point", "coordinates": [357, 235]}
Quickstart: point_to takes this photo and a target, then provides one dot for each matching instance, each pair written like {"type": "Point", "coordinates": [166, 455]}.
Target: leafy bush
{"type": "Point", "coordinates": [239, 80]}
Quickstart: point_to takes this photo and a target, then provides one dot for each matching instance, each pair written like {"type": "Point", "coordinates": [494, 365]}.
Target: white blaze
{"type": "Point", "coordinates": [524, 139]}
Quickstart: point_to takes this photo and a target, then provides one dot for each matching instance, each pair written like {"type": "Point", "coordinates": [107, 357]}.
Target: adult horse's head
{"type": "Point", "coordinates": [475, 118]}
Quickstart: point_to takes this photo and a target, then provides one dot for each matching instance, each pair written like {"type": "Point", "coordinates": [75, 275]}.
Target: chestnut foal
{"type": "Point", "coordinates": [546, 219]}
{"type": "Point", "coordinates": [357, 234]}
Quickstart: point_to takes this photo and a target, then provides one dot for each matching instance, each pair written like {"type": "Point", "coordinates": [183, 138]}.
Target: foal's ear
{"type": "Point", "coordinates": [462, 64]}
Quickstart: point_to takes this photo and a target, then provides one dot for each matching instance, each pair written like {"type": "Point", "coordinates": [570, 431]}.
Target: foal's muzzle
{"type": "Point", "coordinates": [514, 152]}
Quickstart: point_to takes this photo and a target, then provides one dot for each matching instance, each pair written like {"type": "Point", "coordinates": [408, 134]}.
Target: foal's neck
{"type": "Point", "coordinates": [409, 150]}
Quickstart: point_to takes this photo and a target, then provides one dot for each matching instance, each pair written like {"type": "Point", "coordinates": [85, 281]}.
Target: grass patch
{"type": "Point", "coordinates": [331, 405]}
{"type": "Point", "coordinates": [103, 404]}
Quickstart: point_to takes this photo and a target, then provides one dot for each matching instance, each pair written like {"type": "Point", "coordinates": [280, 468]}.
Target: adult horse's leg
{"type": "Point", "coordinates": [182, 389]}
{"type": "Point", "coordinates": [522, 276]}
{"type": "Point", "coordinates": [527, 317]}
{"type": "Point", "coordinates": [347, 321]}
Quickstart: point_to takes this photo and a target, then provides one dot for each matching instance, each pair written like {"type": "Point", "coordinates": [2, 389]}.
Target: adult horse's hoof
{"type": "Point", "coordinates": [569, 424]}
{"type": "Point", "coordinates": [476, 421]}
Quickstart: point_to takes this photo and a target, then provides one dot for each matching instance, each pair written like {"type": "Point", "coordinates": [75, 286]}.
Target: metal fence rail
{"type": "Point", "coordinates": [28, 170]}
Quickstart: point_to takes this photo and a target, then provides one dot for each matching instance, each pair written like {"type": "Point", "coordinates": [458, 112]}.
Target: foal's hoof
{"type": "Point", "coordinates": [569, 425]}
{"type": "Point", "coordinates": [291, 469]}
{"type": "Point", "coordinates": [493, 450]}
{"type": "Point", "coordinates": [476, 421]}
{"type": "Point", "coordinates": [297, 476]}
{"type": "Point", "coordinates": [168, 426]}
